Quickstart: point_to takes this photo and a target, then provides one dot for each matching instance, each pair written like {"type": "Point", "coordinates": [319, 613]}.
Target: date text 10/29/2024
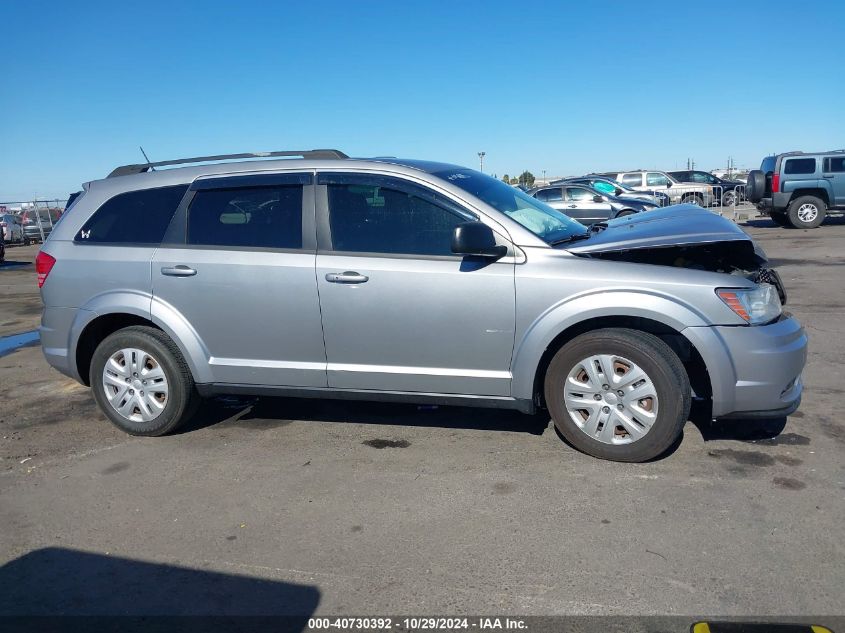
{"type": "Point", "coordinates": [416, 624]}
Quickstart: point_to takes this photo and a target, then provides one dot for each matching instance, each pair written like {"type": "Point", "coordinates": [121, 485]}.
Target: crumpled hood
{"type": "Point", "coordinates": [677, 225]}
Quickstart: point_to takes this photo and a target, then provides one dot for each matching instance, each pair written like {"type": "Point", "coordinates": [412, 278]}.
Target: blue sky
{"type": "Point", "coordinates": [561, 87]}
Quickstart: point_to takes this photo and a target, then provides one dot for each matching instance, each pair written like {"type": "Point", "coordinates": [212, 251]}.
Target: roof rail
{"type": "Point", "coordinates": [126, 170]}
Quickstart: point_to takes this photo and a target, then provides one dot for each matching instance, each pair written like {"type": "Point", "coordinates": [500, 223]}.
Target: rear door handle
{"type": "Point", "coordinates": [349, 277]}
{"type": "Point", "coordinates": [178, 271]}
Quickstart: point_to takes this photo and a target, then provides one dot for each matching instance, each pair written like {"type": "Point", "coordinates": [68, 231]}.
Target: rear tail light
{"type": "Point", "coordinates": [775, 183]}
{"type": "Point", "coordinates": [43, 266]}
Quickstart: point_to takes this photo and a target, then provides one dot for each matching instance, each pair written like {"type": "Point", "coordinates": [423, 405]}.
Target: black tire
{"type": "Point", "coordinates": [625, 212]}
{"type": "Point", "coordinates": [694, 198]}
{"type": "Point", "coordinates": [182, 398]}
{"type": "Point", "coordinates": [755, 186]}
{"type": "Point", "coordinates": [729, 198]}
{"type": "Point", "coordinates": [779, 218]}
{"type": "Point", "coordinates": [662, 367]}
{"type": "Point", "coordinates": [802, 205]}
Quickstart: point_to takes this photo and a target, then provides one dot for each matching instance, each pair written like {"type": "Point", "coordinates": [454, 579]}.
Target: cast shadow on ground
{"type": "Point", "coordinates": [767, 223]}
{"type": "Point", "coordinates": [266, 412]}
{"type": "Point", "coordinates": [63, 582]}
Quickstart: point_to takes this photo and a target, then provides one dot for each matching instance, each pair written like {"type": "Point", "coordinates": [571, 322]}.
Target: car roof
{"type": "Point", "coordinates": [144, 176]}
{"type": "Point", "coordinates": [826, 153]}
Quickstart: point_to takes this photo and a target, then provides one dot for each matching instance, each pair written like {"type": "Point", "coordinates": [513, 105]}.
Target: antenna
{"type": "Point", "coordinates": [146, 159]}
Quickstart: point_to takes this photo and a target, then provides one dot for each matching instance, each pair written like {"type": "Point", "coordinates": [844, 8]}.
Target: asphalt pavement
{"type": "Point", "coordinates": [308, 506]}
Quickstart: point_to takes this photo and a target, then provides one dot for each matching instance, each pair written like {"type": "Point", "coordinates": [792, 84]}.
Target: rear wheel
{"type": "Point", "coordinates": [618, 394]}
{"type": "Point", "coordinates": [806, 212]}
{"type": "Point", "coordinates": [729, 198]}
{"type": "Point", "coordinates": [141, 382]}
{"type": "Point", "coordinates": [625, 212]}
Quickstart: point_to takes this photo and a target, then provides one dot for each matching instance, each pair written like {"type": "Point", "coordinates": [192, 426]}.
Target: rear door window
{"type": "Point", "coordinates": [549, 195]}
{"type": "Point", "coordinates": [247, 217]}
{"type": "Point", "coordinates": [134, 217]}
{"type": "Point", "coordinates": [768, 164]}
{"type": "Point", "coordinates": [632, 180]}
{"type": "Point", "coordinates": [800, 166]}
{"type": "Point", "coordinates": [834, 165]}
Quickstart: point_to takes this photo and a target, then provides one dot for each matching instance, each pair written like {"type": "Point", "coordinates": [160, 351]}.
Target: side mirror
{"type": "Point", "coordinates": [668, 185]}
{"type": "Point", "coordinates": [598, 198]}
{"type": "Point", "coordinates": [619, 192]}
{"type": "Point", "coordinates": [476, 238]}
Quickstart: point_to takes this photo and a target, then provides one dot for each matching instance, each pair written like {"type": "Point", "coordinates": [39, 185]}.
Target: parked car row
{"type": "Point", "coordinates": [610, 195]}
{"type": "Point", "coordinates": [587, 204]}
{"type": "Point", "coordinates": [727, 192]}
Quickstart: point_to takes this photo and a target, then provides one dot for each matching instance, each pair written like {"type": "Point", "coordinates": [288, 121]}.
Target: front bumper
{"type": "Point", "coordinates": [755, 371]}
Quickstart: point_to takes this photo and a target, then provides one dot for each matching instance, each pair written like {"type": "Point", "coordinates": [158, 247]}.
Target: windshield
{"type": "Point", "coordinates": [546, 223]}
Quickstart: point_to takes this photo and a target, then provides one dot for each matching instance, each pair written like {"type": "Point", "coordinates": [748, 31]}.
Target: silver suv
{"type": "Point", "coordinates": [678, 192]}
{"type": "Point", "coordinates": [385, 279]}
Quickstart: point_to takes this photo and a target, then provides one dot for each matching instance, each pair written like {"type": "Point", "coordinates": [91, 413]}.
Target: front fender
{"type": "Point", "coordinates": [572, 311]}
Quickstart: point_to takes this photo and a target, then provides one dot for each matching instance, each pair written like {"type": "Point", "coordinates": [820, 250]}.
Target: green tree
{"type": "Point", "coordinates": [506, 179]}
{"type": "Point", "coordinates": [526, 178]}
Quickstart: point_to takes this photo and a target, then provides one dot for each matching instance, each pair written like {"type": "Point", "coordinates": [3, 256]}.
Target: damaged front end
{"type": "Point", "coordinates": [684, 236]}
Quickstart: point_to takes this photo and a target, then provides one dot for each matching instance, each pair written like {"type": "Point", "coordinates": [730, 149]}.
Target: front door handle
{"type": "Point", "coordinates": [349, 277]}
{"type": "Point", "coordinates": [178, 271]}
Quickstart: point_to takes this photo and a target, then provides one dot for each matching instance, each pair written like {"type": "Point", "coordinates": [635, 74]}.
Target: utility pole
{"type": "Point", "coordinates": [544, 177]}
{"type": "Point", "coordinates": [481, 156]}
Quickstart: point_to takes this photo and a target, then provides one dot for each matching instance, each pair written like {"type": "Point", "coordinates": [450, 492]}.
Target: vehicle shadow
{"type": "Point", "coordinates": [267, 412]}
{"type": "Point", "coordinates": [738, 429]}
{"type": "Point", "coordinates": [63, 582]}
{"type": "Point", "coordinates": [767, 222]}
{"type": "Point", "coordinates": [762, 223]}
{"type": "Point", "coordinates": [13, 264]}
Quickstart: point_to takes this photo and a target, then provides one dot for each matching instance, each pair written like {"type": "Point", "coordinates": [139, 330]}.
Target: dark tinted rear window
{"type": "Point", "coordinates": [800, 166]}
{"type": "Point", "coordinates": [135, 217]}
{"type": "Point", "coordinates": [251, 217]}
{"type": "Point", "coordinates": [768, 164]}
{"type": "Point", "coordinates": [834, 164]}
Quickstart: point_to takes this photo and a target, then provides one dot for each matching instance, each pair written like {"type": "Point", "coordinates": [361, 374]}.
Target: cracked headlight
{"type": "Point", "coordinates": [755, 306]}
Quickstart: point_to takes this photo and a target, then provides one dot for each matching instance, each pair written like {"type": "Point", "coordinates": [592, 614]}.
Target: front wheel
{"type": "Point", "coordinates": [618, 394]}
{"type": "Point", "coordinates": [694, 199]}
{"type": "Point", "coordinates": [141, 382]}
